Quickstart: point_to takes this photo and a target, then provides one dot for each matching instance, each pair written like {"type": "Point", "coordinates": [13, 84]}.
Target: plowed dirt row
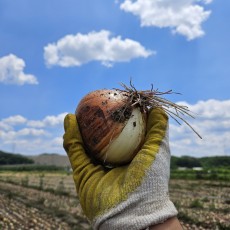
{"type": "Point", "coordinates": [49, 201]}
{"type": "Point", "coordinates": [26, 208]}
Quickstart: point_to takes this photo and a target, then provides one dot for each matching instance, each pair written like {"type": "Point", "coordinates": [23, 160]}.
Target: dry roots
{"type": "Point", "coordinates": [152, 98]}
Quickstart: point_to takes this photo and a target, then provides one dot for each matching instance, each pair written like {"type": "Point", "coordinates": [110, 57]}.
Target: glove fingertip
{"type": "Point", "coordinates": [69, 120]}
{"type": "Point", "coordinates": [155, 116]}
{"type": "Point", "coordinates": [157, 111]}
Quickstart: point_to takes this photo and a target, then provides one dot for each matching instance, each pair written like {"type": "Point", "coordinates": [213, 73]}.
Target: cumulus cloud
{"type": "Point", "coordinates": [12, 71]}
{"type": "Point", "coordinates": [183, 17]}
{"type": "Point", "coordinates": [212, 122]}
{"type": "Point", "coordinates": [211, 109]}
{"type": "Point", "coordinates": [14, 120]}
{"type": "Point", "coordinates": [7, 123]}
{"type": "Point", "coordinates": [20, 134]}
{"type": "Point", "coordinates": [207, 1]}
{"type": "Point", "coordinates": [79, 49]}
{"type": "Point", "coordinates": [47, 121]}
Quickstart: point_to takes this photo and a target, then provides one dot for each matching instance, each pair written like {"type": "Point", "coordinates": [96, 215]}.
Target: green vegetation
{"type": "Point", "coordinates": [196, 204]}
{"type": "Point", "coordinates": [184, 167]}
{"type": "Point", "coordinates": [12, 159]}
{"type": "Point", "coordinates": [185, 161]}
{"type": "Point", "coordinates": [205, 174]}
{"type": "Point", "coordinates": [32, 168]}
{"type": "Point", "coordinates": [208, 168]}
{"type": "Point", "coordinates": [204, 162]}
{"type": "Point", "coordinates": [215, 162]}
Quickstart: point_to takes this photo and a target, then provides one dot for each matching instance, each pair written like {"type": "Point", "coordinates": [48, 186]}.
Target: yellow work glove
{"type": "Point", "coordinates": [134, 196]}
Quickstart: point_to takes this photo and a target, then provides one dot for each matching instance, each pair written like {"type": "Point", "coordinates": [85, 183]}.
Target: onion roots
{"type": "Point", "coordinates": [148, 99]}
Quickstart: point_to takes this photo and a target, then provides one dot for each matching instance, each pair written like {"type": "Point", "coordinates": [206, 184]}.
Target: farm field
{"type": "Point", "coordinates": [30, 200]}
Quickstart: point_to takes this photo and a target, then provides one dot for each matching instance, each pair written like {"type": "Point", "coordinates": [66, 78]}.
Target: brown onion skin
{"type": "Point", "coordinates": [101, 116]}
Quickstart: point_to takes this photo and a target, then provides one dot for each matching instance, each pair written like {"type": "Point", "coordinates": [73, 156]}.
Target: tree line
{"type": "Point", "coordinates": [204, 162]}
{"type": "Point", "coordinates": [176, 162]}
{"type": "Point", "coordinates": [13, 159]}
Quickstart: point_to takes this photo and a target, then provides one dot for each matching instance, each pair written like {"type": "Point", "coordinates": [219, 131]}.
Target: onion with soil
{"type": "Point", "coordinates": [111, 128]}
{"type": "Point", "coordinates": [113, 122]}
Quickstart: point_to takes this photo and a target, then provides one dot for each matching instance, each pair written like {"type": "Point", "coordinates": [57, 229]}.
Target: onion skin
{"type": "Point", "coordinates": [102, 115]}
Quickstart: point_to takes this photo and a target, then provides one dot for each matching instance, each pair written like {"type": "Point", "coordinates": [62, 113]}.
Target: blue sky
{"type": "Point", "coordinates": [52, 53]}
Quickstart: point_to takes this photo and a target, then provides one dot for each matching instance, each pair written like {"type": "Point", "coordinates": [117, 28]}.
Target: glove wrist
{"type": "Point", "coordinates": [149, 204]}
{"type": "Point", "coordinates": [137, 218]}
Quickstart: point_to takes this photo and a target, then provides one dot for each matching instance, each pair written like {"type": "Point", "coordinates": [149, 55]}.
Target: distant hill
{"type": "Point", "coordinates": [63, 160]}
{"type": "Point", "coordinates": [42, 159]}
{"type": "Point", "coordinates": [50, 159]}
{"type": "Point", "coordinates": [13, 159]}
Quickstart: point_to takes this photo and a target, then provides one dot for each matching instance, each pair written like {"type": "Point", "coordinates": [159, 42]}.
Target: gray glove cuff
{"type": "Point", "coordinates": [136, 218]}
{"type": "Point", "coordinates": [149, 204]}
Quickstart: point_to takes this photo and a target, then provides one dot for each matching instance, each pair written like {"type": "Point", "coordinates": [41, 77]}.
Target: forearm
{"type": "Point", "coordinates": [170, 224]}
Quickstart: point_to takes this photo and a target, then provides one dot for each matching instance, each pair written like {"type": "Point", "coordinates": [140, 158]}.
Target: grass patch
{"type": "Point", "coordinates": [196, 204]}
{"type": "Point", "coordinates": [185, 218]}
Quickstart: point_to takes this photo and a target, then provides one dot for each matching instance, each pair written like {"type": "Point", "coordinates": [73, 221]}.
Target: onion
{"type": "Point", "coordinates": [113, 122]}
{"type": "Point", "coordinates": [112, 129]}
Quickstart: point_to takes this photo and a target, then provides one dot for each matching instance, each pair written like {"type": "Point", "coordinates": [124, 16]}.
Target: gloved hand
{"type": "Point", "coordinates": [134, 196]}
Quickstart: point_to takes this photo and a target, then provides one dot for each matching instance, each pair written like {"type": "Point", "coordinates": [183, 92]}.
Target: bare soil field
{"type": "Point", "coordinates": [48, 201]}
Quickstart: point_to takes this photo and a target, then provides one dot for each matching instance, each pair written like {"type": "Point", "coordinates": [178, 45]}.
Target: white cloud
{"type": "Point", "coordinates": [47, 121]}
{"type": "Point", "coordinates": [211, 109]}
{"type": "Point", "coordinates": [19, 134]}
{"type": "Point", "coordinates": [207, 1]}
{"type": "Point", "coordinates": [31, 132]}
{"type": "Point", "coordinates": [212, 122]}
{"type": "Point", "coordinates": [13, 135]}
{"type": "Point", "coordinates": [7, 123]}
{"type": "Point", "coordinates": [14, 120]}
{"type": "Point", "coordinates": [12, 71]}
{"type": "Point", "coordinates": [4, 127]}
{"type": "Point", "coordinates": [181, 16]}
{"type": "Point", "coordinates": [79, 49]}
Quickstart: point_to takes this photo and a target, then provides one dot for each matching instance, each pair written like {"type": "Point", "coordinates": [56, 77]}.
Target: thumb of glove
{"type": "Point", "coordinates": [73, 144]}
